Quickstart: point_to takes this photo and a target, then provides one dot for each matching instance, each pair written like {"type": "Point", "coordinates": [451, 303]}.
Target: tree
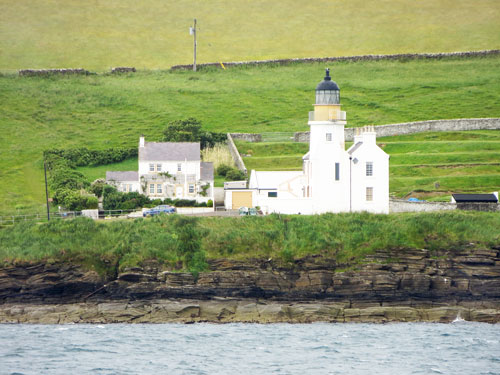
{"type": "Point", "coordinates": [189, 130]}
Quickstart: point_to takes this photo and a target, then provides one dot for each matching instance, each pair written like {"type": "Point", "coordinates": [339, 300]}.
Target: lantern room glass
{"type": "Point", "coordinates": [327, 97]}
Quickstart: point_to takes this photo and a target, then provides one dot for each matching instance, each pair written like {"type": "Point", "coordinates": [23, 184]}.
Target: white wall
{"type": "Point", "coordinates": [370, 152]}
{"type": "Point", "coordinates": [189, 167]}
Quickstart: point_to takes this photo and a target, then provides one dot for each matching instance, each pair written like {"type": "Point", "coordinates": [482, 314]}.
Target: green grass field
{"type": "Point", "coordinates": [151, 34]}
{"type": "Point", "coordinates": [176, 239]}
{"type": "Point", "coordinates": [105, 110]}
{"type": "Point", "coordinates": [456, 161]}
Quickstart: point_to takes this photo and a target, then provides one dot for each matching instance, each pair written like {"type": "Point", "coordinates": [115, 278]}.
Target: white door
{"type": "Point", "coordinates": [178, 192]}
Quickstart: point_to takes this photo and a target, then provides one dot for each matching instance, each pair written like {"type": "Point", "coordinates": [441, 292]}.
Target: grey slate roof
{"type": "Point", "coordinates": [206, 171]}
{"type": "Point", "coordinates": [170, 151]}
{"type": "Point", "coordinates": [354, 148]}
{"type": "Point", "coordinates": [122, 176]}
{"type": "Point", "coordinates": [475, 198]}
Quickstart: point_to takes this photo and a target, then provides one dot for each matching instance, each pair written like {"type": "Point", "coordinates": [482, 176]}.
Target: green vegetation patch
{"type": "Point", "coordinates": [104, 111]}
{"type": "Point", "coordinates": [180, 242]}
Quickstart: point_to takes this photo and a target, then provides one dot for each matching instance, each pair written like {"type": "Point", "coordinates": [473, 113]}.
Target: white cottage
{"type": "Point", "coordinates": [168, 170]}
{"type": "Point", "coordinates": [332, 179]}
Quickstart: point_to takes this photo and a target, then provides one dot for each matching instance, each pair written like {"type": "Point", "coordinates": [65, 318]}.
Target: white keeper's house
{"type": "Point", "coordinates": [168, 170]}
{"type": "Point", "coordinates": [332, 179]}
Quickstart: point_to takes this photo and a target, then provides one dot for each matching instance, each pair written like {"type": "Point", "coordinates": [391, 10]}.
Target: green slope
{"type": "Point", "coordinates": [154, 34]}
{"type": "Point", "coordinates": [104, 110]}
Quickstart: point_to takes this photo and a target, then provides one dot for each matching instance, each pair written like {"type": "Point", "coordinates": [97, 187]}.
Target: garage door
{"type": "Point", "coordinates": [242, 199]}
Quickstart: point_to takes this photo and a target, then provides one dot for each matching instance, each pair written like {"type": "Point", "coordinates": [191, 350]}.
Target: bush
{"type": "Point", "coordinates": [189, 130]}
{"type": "Point", "coordinates": [72, 200]}
{"type": "Point", "coordinates": [83, 156]}
{"type": "Point", "coordinates": [223, 169]}
{"type": "Point", "coordinates": [97, 187]}
{"type": "Point", "coordinates": [235, 175]}
{"type": "Point", "coordinates": [210, 203]}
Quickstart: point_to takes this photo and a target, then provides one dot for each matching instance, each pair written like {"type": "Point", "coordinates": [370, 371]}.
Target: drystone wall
{"type": "Point", "coordinates": [46, 72]}
{"type": "Point", "coordinates": [235, 154]}
{"type": "Point", "coordinates": [421, 126]}
{"type": "Point", "coordinates": [247, 137]}
{"type": "Point", "coordinates": [400, 205]}
{"type": "Point", "coordinates": [403, 56]}
{"type": "Point", "coordinates": [123, 69]}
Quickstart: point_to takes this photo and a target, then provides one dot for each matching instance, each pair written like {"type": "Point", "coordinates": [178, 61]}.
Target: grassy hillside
{"type": "Point", "coordinates": [103, 111]}
{"type": "Point", "coordinates": [175, 239]}
{"type": "Point", "coordinates": [426, 165]}
{"type": "Point", "coordinates": [153, 34]}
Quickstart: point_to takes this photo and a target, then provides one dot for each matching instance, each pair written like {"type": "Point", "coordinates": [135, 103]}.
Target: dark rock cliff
{"type": "Point", "coordinates": [405, 278]}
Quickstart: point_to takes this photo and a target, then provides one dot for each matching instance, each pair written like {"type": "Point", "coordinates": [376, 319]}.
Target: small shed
{"type": "Point", "coordinates": [476, 202]}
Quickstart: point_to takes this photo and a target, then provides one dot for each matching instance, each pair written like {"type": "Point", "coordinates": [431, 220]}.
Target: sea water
{"type": "Point", "coordinates": [320, 348]}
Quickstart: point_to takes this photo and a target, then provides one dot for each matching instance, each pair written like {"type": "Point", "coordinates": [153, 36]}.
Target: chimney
{"type": "Point", "coordinates": [141, 141]}
{"type": "Point", "coordinates": [357, 135]}
{"type": "Point", "coordinates": [369, 135]}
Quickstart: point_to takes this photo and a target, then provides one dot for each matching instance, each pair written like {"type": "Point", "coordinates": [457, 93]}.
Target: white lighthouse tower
{"type": "Point", "coordinates": [327, 162]}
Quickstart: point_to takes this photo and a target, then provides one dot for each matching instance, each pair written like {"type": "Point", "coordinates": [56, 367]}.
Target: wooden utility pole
{"type": "Point", "coordinates": [194, 53]}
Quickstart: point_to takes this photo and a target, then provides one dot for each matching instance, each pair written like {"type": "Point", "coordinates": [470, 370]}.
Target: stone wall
{"type": "Point", "coordinates": [421, 126]}
{"type": "Point", "coordinates": [46, 72]}
{"type": "Point", "coordinates": [235, 154]}
{"type": "Point", "coordinates": [123, 69]}
{"type": "Point", "coordinates": [247, 137]}
{"type": "Point", "coordinates": [401, 205]}
{"type": "Point", "coordinates": [404, 57]}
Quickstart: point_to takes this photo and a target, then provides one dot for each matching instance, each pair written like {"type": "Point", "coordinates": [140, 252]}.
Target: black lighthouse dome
{"type": "Point", "coordinates": [327, 91]}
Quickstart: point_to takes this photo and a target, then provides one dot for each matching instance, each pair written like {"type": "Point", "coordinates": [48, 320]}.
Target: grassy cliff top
{"type": "Point", "coordinates": [190, 241]}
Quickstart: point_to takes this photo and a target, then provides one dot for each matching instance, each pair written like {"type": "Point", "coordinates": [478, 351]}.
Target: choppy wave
{"type": "Point", "coordinates": [320, 348]}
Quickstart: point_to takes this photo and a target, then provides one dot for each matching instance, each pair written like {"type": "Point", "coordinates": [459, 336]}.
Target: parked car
{"type": "Point", "coordinates": [161, 209]}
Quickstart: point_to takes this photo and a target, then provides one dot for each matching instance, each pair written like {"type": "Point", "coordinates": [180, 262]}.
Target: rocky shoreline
{"type": "Point", "coordinates": [389, 286]}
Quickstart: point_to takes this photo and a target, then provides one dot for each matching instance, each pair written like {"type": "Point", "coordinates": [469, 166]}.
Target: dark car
{"type": "Point", "coordinates": [162, 209]}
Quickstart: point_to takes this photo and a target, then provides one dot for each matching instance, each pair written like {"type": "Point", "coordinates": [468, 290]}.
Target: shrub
{"type": "Point", "coordinates": [223, 169]}
{"type": "Point", "coordinates": [210, 203]}
{"type": "Point", "coordinates": [235, 175]}
{"type": "Point", "coordinates": [189, 130]}
{"type": "Point", "coordinates": [97, 187]}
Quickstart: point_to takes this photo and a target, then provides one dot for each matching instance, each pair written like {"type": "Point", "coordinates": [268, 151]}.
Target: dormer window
{"type": "Point", "coordinates": [328, 137]}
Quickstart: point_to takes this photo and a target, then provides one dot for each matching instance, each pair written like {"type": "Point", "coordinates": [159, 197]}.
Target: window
{"type": "Point", "coordinates": [337, 171]}
{"type": "Point", "coordinates": [369, 194]}
{"type": "Point", "coordinates": [179, 167]}
{"type": "Point", "coordinates": [328, 137]}
{"type": "Point", "coordinates": [129, 188]}
{"type": "Point", "coordinates": [151, 188]}
{"type": "Point", "coordinates": [191, 189]}
{"type": "Point", "coordinates": [158, 189]}
{"type": "Point", "coordinates": [369, 168]}
{"type": "Point", "coordinates": [272, 194]}
{"type": "Point", "coordinates": [151, 167]}
{"type": "Point", "coordinates": [158, 167]}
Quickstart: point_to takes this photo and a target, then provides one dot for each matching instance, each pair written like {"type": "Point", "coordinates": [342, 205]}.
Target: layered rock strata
{"type": "Point", "coordinates": [403, 285]}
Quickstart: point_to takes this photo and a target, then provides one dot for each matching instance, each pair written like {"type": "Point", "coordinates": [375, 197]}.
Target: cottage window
{"type": "Point", "coordinates": [158, 167]}
{"type": "Point", "coordinates": [369, 168]}
{"type": "Point", "coordinates": [179, 167]}
{"type": "Point", "coordinates": [129, 188]}
{"type": "Point", "coordinates": [151, 167]}
{"type": "Point", "coordinates": [369, 194]}
{"type": "Point", "coordinates": [337, 171]}
{"type": "Point", "coordinates": [272, 194]}
{"type": "Point", "coordinates": [191, 189]}
{"type": "Point", "coordinates": [158, 189]}
{"type": "Point", "coordinates": [151, 188]}
{"type": "Point", "coordinates": [328, 137]}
